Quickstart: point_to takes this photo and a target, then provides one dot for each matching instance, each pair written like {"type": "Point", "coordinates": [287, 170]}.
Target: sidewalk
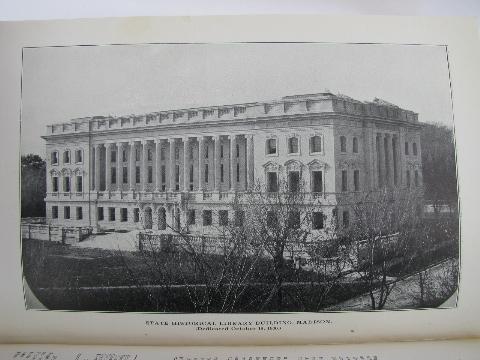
{"type": "Point", "coordinates": [401, 297]}
{"type": "Point", "coordinates": [111, 241]}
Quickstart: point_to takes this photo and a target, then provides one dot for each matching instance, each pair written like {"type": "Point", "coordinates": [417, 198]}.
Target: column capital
{"type": "Point", "coordinates": [232, 136]}
{"type": "Point", "coordinates": [171, 140]}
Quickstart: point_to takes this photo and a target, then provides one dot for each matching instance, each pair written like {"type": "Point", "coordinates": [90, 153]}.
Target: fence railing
{"type": "Point", "coordinates": [62, 234]}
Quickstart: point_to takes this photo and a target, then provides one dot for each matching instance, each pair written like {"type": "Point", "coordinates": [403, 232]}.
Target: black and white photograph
{"type": "Point", "coordinates": [238, 178]}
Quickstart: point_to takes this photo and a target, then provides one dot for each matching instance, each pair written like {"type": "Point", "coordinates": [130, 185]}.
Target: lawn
{"type": "Point", "coordinates": [64, 277]}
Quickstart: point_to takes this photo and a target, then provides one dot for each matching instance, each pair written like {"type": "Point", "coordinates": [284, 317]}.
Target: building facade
{"type": "Point", "coordinates": [168, 169]}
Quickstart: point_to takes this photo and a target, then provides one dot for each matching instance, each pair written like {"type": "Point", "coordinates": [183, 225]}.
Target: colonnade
{"type": "Point", "coordinates": [162, 164]}
{"type": "Point", "coordinates": [387, 160]}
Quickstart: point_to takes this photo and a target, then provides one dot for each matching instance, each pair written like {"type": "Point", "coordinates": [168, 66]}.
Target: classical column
{"type": "Point", "coordinates": [172, 164]}
{"type": "Point", "coordinates": [395, 159]}
{"type": "Point", "coordinates": [389, 159]}
{"type": "Point", "coordinates": [201, 152]}
{"type": "Point", "coordinates": [119, 166]}
{"type": "Point", "coordinates": [108, 166]}
{"type": "Point", "coordinates": [216, 162]}
{"type": "Point", "coordinates": [185, 163]}
{"type": "Point", "coordinates": [233, 148]}
{"type": "Point", "coordinates": [381, 160]}
{"type": "Point", "coordinates": [158, 148]}
{"type": "Point", "coordinates": [97, 166]}
{"type": "Point", "coordinates": [249, 161]}
{"type": "Point", "coordinates": [144, 170]}
{"type": "Point", "coordinates": [131, 170]}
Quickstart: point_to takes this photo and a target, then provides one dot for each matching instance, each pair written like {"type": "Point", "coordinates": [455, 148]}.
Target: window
{"type": "Point", "coordinates": [294, 219]}
{"type": "Point", "coordinates": [54, 212]}
{"type": "Point", "coordinates": [55, 184]}
{"type": "Point", "coordinates": [113, 156]}
{"type": "Point", "coordinates": [406, 147]}
{"type": "Point", "coordinates": [149, 154]}
{"type": "Point", "coordinates": [315, 144]}
{"type": "Point", "coordinates": [416, 177]}
{"type": "Point", "coordinates": [162, 154]}
{"type": "Point", "coordinates": [206, 151]}
{"type": "Point", "coordinates": [335, 217]}
{"type": "Point", "coordinates": [221, 173]}
{"type": "Point", "coordinates": [191, 155]}
{"type": "Point", "coordinates": [177, 152]}
{"type": "Point", "coordinates": [79, 184]}
{"type": "Point", "coordinates": [317, 183]}
{"type": "Point", "coordinates": [221, 151]}
{"type": "Point", "coordinates": [272, 220]}
{"type": "Point", "coordinates": [137, 155]}
{"type": "Point", "coordinates": [355, 145]}
{"type": "Point", "coordinates": [206, 173]}
{"type": "Point", "coordinates": [125, 175]}
{"type": "Point", "coordinates": [79, 213]}
{"type": "Point", "coordinates": [317, 220]}
{"type": "Point", "coordinates": [123, 214]}
{"type": "Point", "coordinates": [223, 217]}
{"type": "Point", "coordinates": [294, 181]}
{"type": "Point", "coordinates": [111, 214]}
{"type": "Point", "coordinates": [207, 217]}
{"type": "Point", "coordinates": [66, 157]}
{"type": "Point", "coordinates": [66, 212]}
{"type": "Point", "coordinates": [343, 144]}
{"type": "Point", "coordinates": [344, 180]}
{"type": "Point", "coordinates": [408, 178]}
{"type": "Point", "coordinates": [177, 177]}
{"type": "Point", "coordinates": [113, 175]}
{"type": "Point", "coordinates": [191, 217]}
{"type": "Point", "coordinates": [346, 218]}
{"type": "Point", "coordinates": [239, 217]}
{"type": "Point", "coordinates": [124, 155]}
{"type": "Point", "coordinates": [271, 146]}
{"type": "Point", "coordinates": [356, 180]}
{"type": "Point", "coordinates": [78, 156]}
{"type": "Point", "coordinates": [414, 149]}
{"type": "Point", "coordinates": [191, 174]}
{"type": "Point", "coordinates": [66, 184]}
{"type": "Point", "coordinates": [238, 150]}
{"type": "Point", "coordinates": [238, 172]}
{"type": "Point", "coordinates": [293, 145]}
{"type": "Point", "coordinates": [272, 183]}
{"type": "Point", "coordinates": [137, 174]}
{"type": "Point", "coordinates": [163, 174]}
{"type": "Point", "coordinates": [54, 158]}
{"type": "Point", "coordinates": [150, 175]}
{"type": "Point", "coordinates": [100, 214]}
{"type": "Point", "coordinates": [136, 215]}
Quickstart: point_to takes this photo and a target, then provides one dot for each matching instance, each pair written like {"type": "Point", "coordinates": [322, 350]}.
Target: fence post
{"type": "Point", "coordinates": [48, 233]}
{"type": "Point", "coordinates": [29, 232]}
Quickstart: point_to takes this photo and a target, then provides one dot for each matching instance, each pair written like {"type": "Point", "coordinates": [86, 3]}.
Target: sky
{"type": "Point", "coordinates": [63, 83]}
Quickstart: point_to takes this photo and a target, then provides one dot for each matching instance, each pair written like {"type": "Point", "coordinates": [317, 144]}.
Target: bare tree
{"type": "Point", "coordinates": [381, 234]}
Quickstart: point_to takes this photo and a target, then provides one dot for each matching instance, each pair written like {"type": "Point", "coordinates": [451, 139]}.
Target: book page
{"type": "Point", "coordinates": [461, 349]}
{"type": "Point", "coordinates": [232, 180]}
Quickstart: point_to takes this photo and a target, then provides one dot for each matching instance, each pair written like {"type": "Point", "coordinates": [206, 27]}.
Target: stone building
{"type": "Point", "coordinates": [139, 171]}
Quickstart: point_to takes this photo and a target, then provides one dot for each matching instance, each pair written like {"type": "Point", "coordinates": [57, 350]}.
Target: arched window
{"type": "Point", "coordinates": [343, 144]}
{"type": "Point", "coordinates": [414, 147]}
{"type": "Point", "coordinates": [293, 145]}
{"type": "Point", "coordinates": [315, 144]}
{"type": "Point", "coordinates": [355, 145]}
{"type": "Point", "coordinates": [406, 147]}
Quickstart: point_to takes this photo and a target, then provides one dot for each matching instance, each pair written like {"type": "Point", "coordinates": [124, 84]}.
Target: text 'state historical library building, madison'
{"type": "Point", "coordinates": [182, 168]}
